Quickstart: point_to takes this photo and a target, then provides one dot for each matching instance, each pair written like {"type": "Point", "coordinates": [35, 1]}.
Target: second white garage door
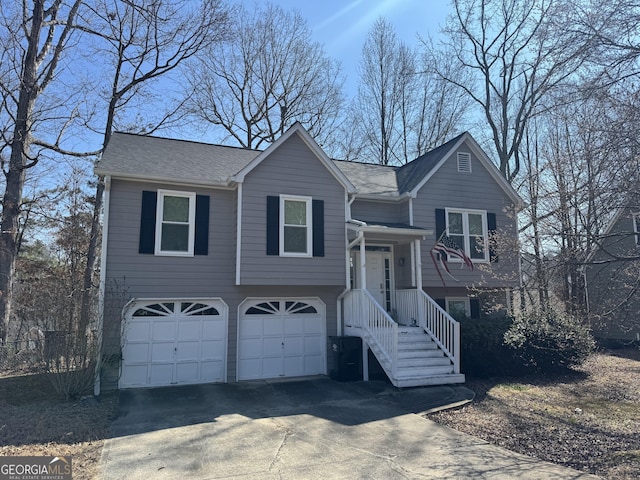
{"type": "Point", "coordinates": [283, 337]}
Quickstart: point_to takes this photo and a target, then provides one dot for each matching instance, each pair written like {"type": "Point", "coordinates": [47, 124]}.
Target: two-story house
{"type": "Point", "coordinates": [612, 276]}
{"type": "Point", "coordinates": [223, 264]}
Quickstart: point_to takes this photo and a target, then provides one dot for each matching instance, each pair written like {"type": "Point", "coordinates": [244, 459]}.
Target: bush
{"type": "Point", "coordinates": [547, 341]}
{"type": "Point", "coordinates": [484, 353]}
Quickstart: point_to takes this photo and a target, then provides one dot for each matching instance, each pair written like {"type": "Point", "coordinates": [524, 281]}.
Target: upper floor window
{"type": "Point", "coordinates": [636, 227]}
{"type": "Point", "coordinates": [468, 229]}
{"type": "Point", "coordinates": [175, 227]}
{"type": "Point", "coordinates": [295, 226]}
{"type": "Point", "coordinates": [174, 223]}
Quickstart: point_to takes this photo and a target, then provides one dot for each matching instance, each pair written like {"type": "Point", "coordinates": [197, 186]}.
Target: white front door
{"type": "Point", "coordinates": [379, 277]}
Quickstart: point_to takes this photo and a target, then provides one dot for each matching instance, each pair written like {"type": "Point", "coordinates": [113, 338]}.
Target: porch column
{"type": "Point", "coordinates": [418, 263]}
{"type": "Point", "coordinates": [363, 265]}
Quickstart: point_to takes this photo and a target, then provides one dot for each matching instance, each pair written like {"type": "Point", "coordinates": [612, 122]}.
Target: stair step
{"type": "Point", "coordinates": [430, 380]}
{"type": "Point", "coordinates": [423, 362]}
{"type": "Point", "coordinates": [416, 372]}
{"type": "Point", "coordinates": [430, 353]}
{"type": "Point", "coordinates": [417, 346]}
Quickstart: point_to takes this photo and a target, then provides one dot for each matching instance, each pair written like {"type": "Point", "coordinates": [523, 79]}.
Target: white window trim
{"type": "Point", "coordinates": [465, 229]}
{"type": "Point", "coordinates": [308, 202]}
{"type": "Point", "coordinates": [636, 226]}
{"type": "Point", "coordinates": [192, 222]}
{"type": "Point", "coordinates": [467, 304]}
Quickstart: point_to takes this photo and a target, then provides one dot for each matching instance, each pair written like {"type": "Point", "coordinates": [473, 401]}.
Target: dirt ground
{"type": "Point", "coordinates": [588, 420]}
{"type": "Point", "coordinates": [33, 421]}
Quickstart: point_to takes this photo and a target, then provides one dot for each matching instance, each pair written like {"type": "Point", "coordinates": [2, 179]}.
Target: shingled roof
{"type": "Point", "coordinates": [164, 159]}
{"type": "Point", "coordinates": [169, 160]}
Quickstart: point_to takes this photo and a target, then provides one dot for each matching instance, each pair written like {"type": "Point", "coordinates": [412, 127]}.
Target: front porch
{"type": "Point", "coordinates": [415, 341]}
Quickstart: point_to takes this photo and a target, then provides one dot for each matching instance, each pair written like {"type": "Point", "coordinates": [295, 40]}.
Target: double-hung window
{"type": "Point", "coordinates": [636, 227]}
{"type": "Point", "coordinates": [175, 225]}
{"type": "Point", "coordinates": [295, 226]}
{"type": "Point", "coordinates": [468, 229]}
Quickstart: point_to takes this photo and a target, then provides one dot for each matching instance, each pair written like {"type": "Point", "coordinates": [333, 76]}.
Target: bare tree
{"type": "Point", "coordinates": [386, 70]}
{"type": "Point", "coordinates": [403, 108]}
{"type": "Point", "coordinates": [144, 41]}
{"type": "Point", "coordinates": [518, 52]}
{"type": "Point", "coordinates": [268, 76]}
{"type": "Point", "coordinates": [35, 37]}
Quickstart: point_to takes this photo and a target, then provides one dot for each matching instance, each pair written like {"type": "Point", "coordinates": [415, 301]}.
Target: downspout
{"type": "Point", "coordinates": [103, 280]}
{"type": "Point", "coordinates": [239, 234]}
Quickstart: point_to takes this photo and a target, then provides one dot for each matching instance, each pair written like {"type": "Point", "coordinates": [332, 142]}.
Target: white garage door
{"type": "Point", "coordinates": [281, 338]}
{"type": "Point", "coordinates": [174, 342]}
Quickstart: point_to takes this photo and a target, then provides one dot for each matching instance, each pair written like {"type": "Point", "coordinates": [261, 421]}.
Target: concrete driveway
{"type": "Point", "coordinates": [311, 429]}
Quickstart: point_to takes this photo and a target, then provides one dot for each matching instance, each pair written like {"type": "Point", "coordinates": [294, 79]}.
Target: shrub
{"type": "Point", "coordinates": [483, 351]}
{"type": "Point", "coordinates": [547, 341]}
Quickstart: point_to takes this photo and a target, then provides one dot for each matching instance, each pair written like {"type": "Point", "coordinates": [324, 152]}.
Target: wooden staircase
{"type": "Point", "coordinates": [411, 356]}
{"type": "Point", "coordinates": [420, 361]}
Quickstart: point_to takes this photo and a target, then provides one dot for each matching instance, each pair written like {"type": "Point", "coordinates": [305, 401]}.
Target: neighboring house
{"type": "Point", "coordinates": [613, 278]}
{"type": "Point", "coordinates": [223, 264]}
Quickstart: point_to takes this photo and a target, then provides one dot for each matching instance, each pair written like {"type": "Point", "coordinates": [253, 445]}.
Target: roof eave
{"type": "Point", "coordinates": [160, 179]}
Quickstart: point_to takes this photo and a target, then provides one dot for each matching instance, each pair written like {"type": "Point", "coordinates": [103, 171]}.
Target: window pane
{"type": "Point", "coordinates": [295, 213]}
{"type": "Point", "coordinates": [477, 247]}
{"type": "Point", "coordinates": [175, 209]}
{"type": "Point", "coordinates": [475, 224]}
{"type": "Point", "coordinates": [457, 309]}
{"type": "Point", "coordinates": [295, 239]}
{"type": "Point", "coordinates": [175, 238]}
{"type": "Point", "coordinates": [455, 223]}
{"type": "Point", "coordinates": [458, 240]}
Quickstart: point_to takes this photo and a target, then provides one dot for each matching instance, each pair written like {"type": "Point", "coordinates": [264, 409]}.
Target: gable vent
{"type": "Point", "coordinates": [464, 162]}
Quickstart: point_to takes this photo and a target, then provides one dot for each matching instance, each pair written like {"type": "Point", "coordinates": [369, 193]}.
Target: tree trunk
{"type": "Point", "coordinates": [18, 163]}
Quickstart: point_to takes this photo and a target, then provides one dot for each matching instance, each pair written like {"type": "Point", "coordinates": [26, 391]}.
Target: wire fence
{"type": "Point", "coordinates": [22, 356]}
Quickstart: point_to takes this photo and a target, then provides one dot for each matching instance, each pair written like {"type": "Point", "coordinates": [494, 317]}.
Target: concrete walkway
{"type": "Point", "coordinates": [312, 429]}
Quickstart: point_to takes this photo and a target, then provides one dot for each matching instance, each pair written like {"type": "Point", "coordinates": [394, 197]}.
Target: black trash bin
{"type": "Point", "coordinates": [346, 354]}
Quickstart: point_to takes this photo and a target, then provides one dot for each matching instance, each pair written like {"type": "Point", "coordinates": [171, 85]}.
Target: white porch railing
{"type": "Point", "coordinates": [414, 304]}
{"type": "Point", "coordinates": [362, 311]}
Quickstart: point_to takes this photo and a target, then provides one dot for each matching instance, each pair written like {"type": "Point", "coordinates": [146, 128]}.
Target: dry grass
{"type": "Point", "coordinates": [33, 421]}
{"type": "Point", "coordinates": [588, 420]}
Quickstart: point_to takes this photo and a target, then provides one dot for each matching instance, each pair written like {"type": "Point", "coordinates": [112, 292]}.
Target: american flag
{"type": "Point", "coordinates": [445, 246]}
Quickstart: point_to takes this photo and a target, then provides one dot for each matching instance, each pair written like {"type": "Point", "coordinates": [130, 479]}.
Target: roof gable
{"type": "Point", "coordinates": [297, 129]}
{"type": "Point", "coordinates": [426, 166]}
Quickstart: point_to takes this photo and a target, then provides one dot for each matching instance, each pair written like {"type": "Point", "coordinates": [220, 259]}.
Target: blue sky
{"type": "Point", "coordinates": [342, 25]}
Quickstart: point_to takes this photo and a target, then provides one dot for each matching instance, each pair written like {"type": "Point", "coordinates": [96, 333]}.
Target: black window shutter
{"type": "Point", "coordinates": [441, 226]}
{"type": "Point", "coordinates": [273, 225]}
{"type": "Point", "coordinates": [492, 227]}
{"type": "Point", "coordinates": [441, 303]}
{"type": "Point", "coordinates": [148, 222]}
{"type": "Point", "coordinates": [474, 304]}
{"type": "Point", "coordinates": [201, 241]}
{"type": "Point", "coordinates": [317, 207]}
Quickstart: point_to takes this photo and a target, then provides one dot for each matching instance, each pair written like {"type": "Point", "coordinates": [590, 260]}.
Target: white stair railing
{"type": "Point", "coordinates": [415, 306]}
{"type": "Point", "coordinates": [362, 311]}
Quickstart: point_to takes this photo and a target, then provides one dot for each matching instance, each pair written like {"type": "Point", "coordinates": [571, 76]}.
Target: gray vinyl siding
{"type": "Point", "coordinates": [610, 283]}
{"type": "Point", "coordinates": [131, 275]}
{"type": "Point", "coordinates": [474, 191]}
{"type": "Point", "coordinates": [292, 170]}
{"type": "Point", "coordinates": [381, 212]}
